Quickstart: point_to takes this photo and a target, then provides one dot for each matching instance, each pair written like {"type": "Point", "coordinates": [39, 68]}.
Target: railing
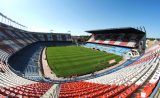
{"type": "Point", "coordinates": [156, 92]}
{"type": "Point", "coordinates": [5, 20]}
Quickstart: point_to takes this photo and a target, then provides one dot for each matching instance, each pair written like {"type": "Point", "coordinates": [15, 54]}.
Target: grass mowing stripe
{"type": "Point", "coordinates": [81, 70]}
{"type": "Point", "coordinates": [63, 51]}
{"type": "Point", "coordinates": [84, 63]}
{"type": "Point", "coordinates": [66, 56]}
{"type": "Point", "coordinates": [77, 59]}
{"type": "Point", "coordinates": [72, 60]}
{"type": "Point", "coordinates": [84, 59]}
{"type": "Point", "coordinates": [75, 54]}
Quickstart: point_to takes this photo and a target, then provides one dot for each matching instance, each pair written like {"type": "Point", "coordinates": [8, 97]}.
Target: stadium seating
{"type": "Point", "coordinates": [84, 89]}
{"type": "Point", "coordinates": [21, 78]}
{"type": "Point", "coordinates": [28, 57]}
{"type": "Point", "coordinates": [124, 82]}
{"type": "Point", "coordinates": [128, 40]}
{"type": "Point", "coordinates": [110, 49]}
{"type": "Point", "coordinates": [14, 86]}
{"type": "Point", "coordinates": [15, 42]}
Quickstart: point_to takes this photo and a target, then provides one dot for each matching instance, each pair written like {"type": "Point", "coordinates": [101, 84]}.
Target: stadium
{"type": "Point", "coordinates": [111, 63]}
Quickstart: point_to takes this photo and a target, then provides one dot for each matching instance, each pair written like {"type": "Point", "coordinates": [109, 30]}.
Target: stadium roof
{"type": "Point", "coordinates": [116, 30]}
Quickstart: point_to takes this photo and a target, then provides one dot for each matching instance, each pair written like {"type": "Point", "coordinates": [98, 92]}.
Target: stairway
{"type": "Point", "coordinates": [142, 86]}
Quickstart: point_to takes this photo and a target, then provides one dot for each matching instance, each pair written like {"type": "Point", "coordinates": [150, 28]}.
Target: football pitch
{"type": "Point", "coordinates": [66, 61]}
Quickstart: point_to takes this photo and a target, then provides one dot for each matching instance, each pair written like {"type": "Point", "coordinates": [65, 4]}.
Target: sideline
{"type": "Point", "coordinates": [46, 69]}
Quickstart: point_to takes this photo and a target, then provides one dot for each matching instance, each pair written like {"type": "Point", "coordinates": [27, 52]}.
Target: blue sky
{"type": "Point", "coordinates": [81, 15]}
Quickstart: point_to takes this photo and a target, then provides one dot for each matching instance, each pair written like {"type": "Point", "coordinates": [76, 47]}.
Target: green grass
{"type": "Point", "coordinates": [66, 61]}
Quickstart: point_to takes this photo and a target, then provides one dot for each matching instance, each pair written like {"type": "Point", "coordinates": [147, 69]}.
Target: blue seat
{"type": "Point", "coordinates": [110, 49]}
